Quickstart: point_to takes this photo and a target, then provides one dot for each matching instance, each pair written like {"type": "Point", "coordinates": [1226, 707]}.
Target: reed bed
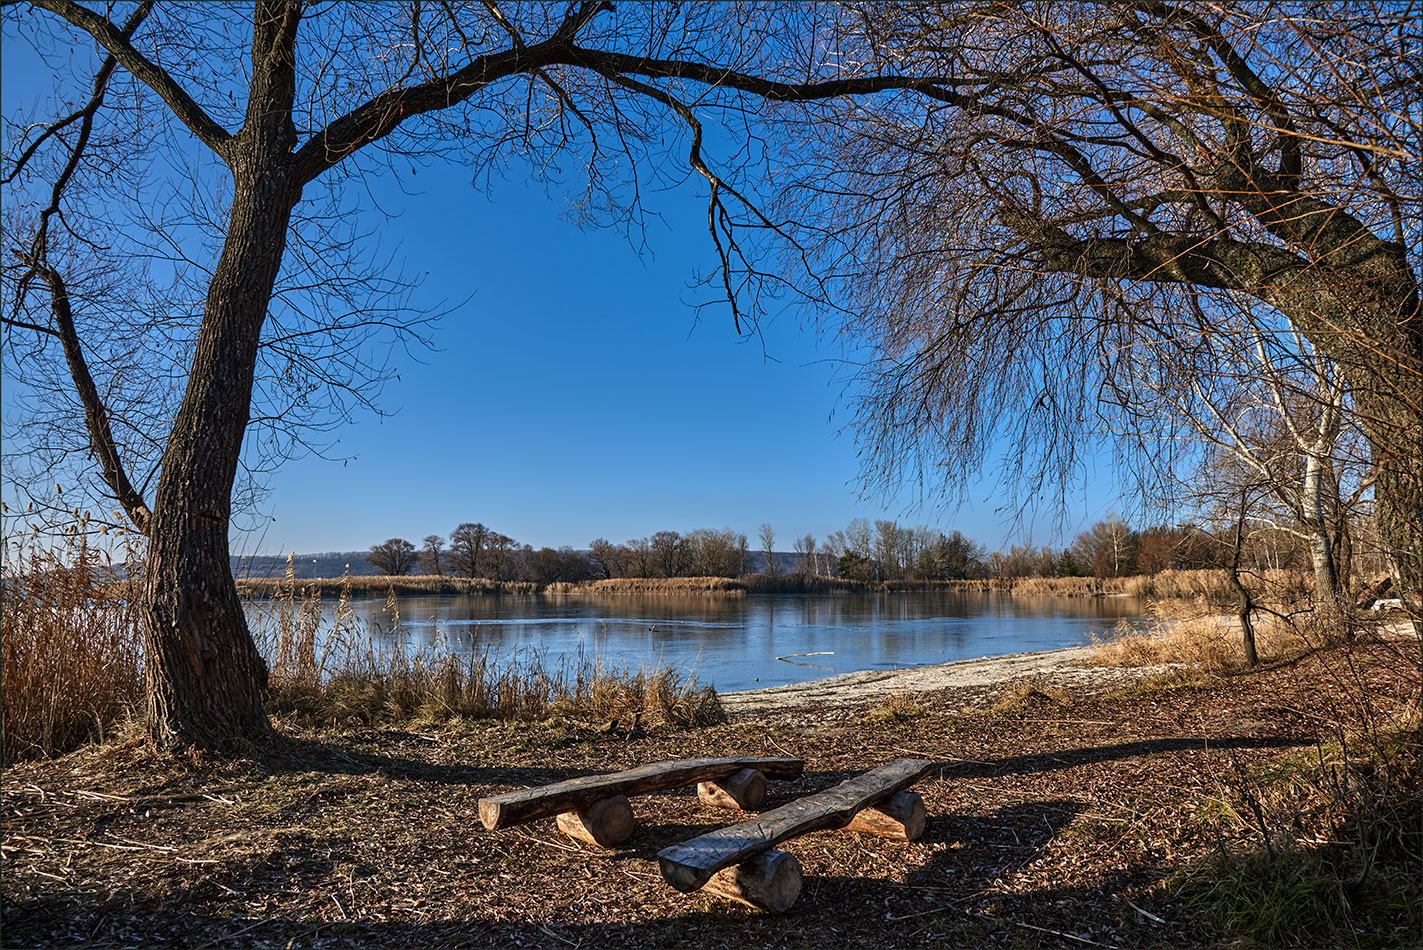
{"type": "Point", "coordinates": [654, 585]}
{"type": "Point", "coordinates": [331, 673]}
{"type": "Point", "coordinates": [381, 584]}
{"type": "Point", "coordinates": [962, 585]}
{"type": "Point", "coordinates": [70, 667]}
{"type": "Point", "coordinates": [1213, 585]}
{"type": "Point", "coordinates": [804, 584]}
{"type": "Point", "coordinates": [1068, 586]}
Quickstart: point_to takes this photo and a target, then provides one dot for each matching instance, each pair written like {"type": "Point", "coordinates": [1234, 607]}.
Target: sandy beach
{"type": "Point", "coordinates": [1061, 667]}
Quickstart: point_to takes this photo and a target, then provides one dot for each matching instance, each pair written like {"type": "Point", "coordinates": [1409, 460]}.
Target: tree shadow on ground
{"type": "Point", "coordinates": [942, 902]}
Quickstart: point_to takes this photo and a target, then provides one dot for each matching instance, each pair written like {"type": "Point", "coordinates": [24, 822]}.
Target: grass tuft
{"type": "Point", "coordinates": [1323, 849]}
{"type": "Point", "coordinates": [897, 707]}
{"type": "Point", "coordinates": [1029, 693]}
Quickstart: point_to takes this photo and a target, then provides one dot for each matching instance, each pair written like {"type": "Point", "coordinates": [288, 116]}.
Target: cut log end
{"type": "Point", "coordinates": [771, 881]}
{"type": "Point", "coordinates": [607, 822]}
{"type": "Point", "coordinates": [900, 817]}
{"type": "Point", "coordinates": [744, 791]}
{"type": "Point", "coordinates": [489, 814]}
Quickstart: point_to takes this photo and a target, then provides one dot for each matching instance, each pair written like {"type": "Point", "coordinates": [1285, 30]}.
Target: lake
{"type": "Point", "coordinates": [746, 642]}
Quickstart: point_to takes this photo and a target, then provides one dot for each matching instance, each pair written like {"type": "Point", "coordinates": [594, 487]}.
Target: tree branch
{"type": "Point", "coordinates": [96, 415]}
{"type": "Point", "coordinates": [144, 70]}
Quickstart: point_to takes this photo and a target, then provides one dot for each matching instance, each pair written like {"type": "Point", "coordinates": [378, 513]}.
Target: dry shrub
{"type": "Point", "coordinates": [69, 657]}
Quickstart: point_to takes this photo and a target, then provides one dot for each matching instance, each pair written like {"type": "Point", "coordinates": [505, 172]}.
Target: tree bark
{"type": "Point", "coordinates": [1244, 606]}
{"type": "Point", "coordinates": [1321, 554]}
{"type": "Point", "coordinates": [205, 676]}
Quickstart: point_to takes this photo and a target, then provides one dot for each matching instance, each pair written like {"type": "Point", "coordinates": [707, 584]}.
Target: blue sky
{"type": "Point", "coordinates": [577, 393]}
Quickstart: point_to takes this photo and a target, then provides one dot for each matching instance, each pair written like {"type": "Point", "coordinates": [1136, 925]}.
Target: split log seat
{"type": "Point", "coordinates": [740, 861]}
{"type": "Point", "coordinates": [595, 808]}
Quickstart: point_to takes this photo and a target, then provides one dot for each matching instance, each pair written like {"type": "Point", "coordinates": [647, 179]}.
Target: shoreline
{"type": "Point", "coordinates": [1167, 585]}
{"type": "Point", "coordinates": [865, 687]}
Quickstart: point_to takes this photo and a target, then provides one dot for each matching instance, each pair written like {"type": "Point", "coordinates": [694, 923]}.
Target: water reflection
{"type": "Point", "coordinates": [735, 642]}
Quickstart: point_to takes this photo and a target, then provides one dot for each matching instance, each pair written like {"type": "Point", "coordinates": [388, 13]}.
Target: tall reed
{"type": "Point", "coordinates": [70, 668]}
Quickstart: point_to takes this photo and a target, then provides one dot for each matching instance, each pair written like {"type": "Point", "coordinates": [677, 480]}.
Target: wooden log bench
{"type": "Point", "coordinates": [740, 861]}
{"type": "Point", "coordinates": [595, 808]}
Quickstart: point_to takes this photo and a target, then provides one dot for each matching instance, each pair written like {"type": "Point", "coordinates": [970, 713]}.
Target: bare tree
{"type": "Point", "coordinates": [669, 553]}
{"type": "Point", "coordinates": [432, 555]}
{"type": "Point", "coordinates": [1102, 179]}
{"type": "Point", "coordinates": [395, 557]}
{"type": "Point", "coordinates": [641, 560]}
{"type": "Point", "coordinates": [805, 548]}
{"type": "Point", "coordinates": [712, 553]}
{"type": "Point", "coordinates": [768, 546]}
{"type": "Point", "coordinates": [317, 95]}
{"type": "Point", "coordinates": [1109, 548]}
{"type": "Point", "coordinates": [609, 557]}
{"type": "Point", "coordinates": [467, 548]}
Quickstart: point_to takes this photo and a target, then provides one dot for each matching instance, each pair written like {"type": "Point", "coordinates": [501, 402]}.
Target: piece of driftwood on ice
{"type": "Point", "coordinates": [529, 804]}
{"type": "Point", "coordinates": [689, 865]}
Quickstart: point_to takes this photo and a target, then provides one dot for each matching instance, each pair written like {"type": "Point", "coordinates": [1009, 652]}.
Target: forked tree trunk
{"type": "Point", "coordinates": [204, 674]}
{"type": "Point", "coordinates": [1244, 605]}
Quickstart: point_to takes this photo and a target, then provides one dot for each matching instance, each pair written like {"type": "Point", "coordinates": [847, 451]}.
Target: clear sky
{"type": "Point", "coordinates": [576, 394]}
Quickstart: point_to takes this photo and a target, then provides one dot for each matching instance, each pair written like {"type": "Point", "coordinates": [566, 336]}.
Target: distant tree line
{"type": "Point", "coordinates": [866, 551]}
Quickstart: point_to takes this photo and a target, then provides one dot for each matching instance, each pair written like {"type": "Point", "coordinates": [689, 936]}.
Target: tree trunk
{"type": "Point", "coordinates": [1321, 555]}
{"type": "Point", "coordinates": [1244, 605]}
{"type": "Point", "coordinates": [1389, 399]}
{"type": "Point", "coordinates": [204, 674]}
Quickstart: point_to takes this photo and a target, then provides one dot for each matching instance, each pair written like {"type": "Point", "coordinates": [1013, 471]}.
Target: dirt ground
{"type": "Point", "coordinates": [1061, 807]}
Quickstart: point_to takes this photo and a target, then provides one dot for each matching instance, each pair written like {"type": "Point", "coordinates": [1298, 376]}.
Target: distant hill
{"type": "Point", "coordinates": [327, 564]}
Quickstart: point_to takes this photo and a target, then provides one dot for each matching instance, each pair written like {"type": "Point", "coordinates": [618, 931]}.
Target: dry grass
{"type": "Point", "coordinates": [330, 673]}
{"type": "Point", "coordinates": [897, 707]}
{"type": "Point", "coordinates": [1210, 586]}
{"type": "Point", "coordinates": [653, 585]}
{"type": "Point", "coordinates": [1209, 640]}
{"type": "Point", "coordinates": [69, 660]}
{"type": "Point", "coordinates": [72, 669]}
{"type": "Point", "coordinates": [1213, 586]}
{"type": "Point", "coordinates": [1027, 694]}
{"type": "Point", "coordinates": [1068, 586]}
